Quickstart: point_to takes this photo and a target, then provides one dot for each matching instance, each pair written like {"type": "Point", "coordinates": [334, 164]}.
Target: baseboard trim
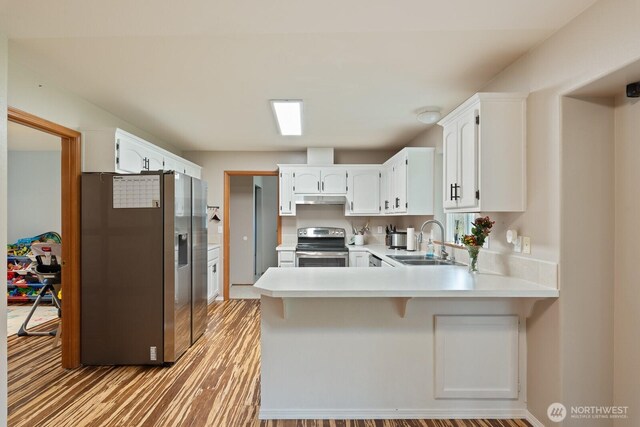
{"type": "Point", "coordinates": [533, 420]}
{"type": "Point", "coordinates": [390, 414]}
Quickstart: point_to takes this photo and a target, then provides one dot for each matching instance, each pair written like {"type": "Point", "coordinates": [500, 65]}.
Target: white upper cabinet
{"type": "Point", "coordinates": [306, 180]}
{"type": "Point", "coordinates": [316, 180]}
{"type": "Point", "coordinates": [484, 143]}
{"type": "Point", "coordinates": [363, 194]}
{"type": "Point", "coordinates": [287, 204]}
{"type": "Point", "coordinates": [333, 180]}
{"type": "Point", "coordinates": [130, 156]}
{"type": "Point", "coordinates": [408, 182]}
{"type": "Point", "coordinates": [402, 186]}
{"type": "Point", "coordinates": [115, 150]}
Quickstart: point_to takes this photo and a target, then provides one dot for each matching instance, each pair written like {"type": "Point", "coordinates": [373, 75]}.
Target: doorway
{"type": "Point", "coordinates": [70, 172]}
{"type": "Point", "coordinates": [252, 229]}
{"type": "Point", "coordinates": [33, 215]}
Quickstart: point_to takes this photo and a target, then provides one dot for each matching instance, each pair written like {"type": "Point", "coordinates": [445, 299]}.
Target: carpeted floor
{"type": "Point", "coordinates": [17, 313]}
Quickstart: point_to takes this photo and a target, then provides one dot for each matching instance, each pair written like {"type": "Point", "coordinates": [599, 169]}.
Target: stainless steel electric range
{"type": "Point", "coordinates": [322, 247]}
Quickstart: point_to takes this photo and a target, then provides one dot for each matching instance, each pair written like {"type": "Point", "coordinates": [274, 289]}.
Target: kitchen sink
{"type": "Point", "coordinates": [420, 260]}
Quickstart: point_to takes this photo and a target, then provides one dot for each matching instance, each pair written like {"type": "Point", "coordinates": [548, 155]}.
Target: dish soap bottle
{"type": "Point", "coordinates": [430, 249]}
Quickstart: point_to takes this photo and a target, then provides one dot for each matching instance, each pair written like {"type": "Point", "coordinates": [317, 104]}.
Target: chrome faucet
{"type": "Point", "coordinates": [443, 250]}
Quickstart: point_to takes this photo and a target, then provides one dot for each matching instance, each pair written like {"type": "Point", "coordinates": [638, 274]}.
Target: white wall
{"type": "Point", "coordinates": [627, 236]}
{"type": "Point", "coordinates": [4, 59]}
{"type": "Point", "coordinates": [63, 107]}
{"type": "Point", "coordinates": [241, 230]}
{"type": "Point", "coordinates": [587, 276]}
{"type": "Point", "coordinates": [269, 220]}
{"type": "Point", "coordinates": [601, 40]}
{"type": "Point", "coordinates": [33, 201]}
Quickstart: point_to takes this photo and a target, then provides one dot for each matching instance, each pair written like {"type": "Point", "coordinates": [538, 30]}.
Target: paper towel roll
{"type": "Point", "coordinates": [411, 239]}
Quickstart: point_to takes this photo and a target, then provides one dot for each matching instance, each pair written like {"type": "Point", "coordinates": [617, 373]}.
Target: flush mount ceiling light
{"type": "Point", "coordinates": [288, 114]}
{"type": "Point", "coordinates": [429, 116]}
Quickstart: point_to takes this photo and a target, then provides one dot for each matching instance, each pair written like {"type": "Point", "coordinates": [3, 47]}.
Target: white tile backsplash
{"type": "Point", "coordinates": [533, 270]}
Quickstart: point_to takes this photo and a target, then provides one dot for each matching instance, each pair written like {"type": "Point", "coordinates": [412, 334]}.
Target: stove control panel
{"type": "Point", "coordinates": [320, 232]}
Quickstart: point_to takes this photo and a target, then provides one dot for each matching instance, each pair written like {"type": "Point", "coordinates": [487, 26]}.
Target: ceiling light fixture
{"type": "Point", "coordinates": [288, 114]}
{"type": "Point", "coordinates": [429, 116]}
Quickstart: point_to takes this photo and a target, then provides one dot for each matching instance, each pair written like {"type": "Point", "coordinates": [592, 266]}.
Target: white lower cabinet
{"type": "Point", "coordinates": [213, 274]}
{"type": "Point", "coordinates": [476, 357]}
{"type": "Point", "coordinates": [358, 259]}
{"type": "Point", "coordinates": [286, 259]}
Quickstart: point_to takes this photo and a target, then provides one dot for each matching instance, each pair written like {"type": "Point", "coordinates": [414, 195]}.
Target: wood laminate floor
{"type": "Point", "coordinates": [216, 383]}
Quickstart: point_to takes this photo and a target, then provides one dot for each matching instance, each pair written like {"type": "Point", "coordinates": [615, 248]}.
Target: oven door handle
{"type": "Point", "coordinates": [313, 254]}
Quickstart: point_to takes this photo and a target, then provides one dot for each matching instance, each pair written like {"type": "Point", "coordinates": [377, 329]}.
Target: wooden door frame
{"type": "Point", "coordinates": [225, 219]}
{"type": "Point", "coordinates": [71, 157]}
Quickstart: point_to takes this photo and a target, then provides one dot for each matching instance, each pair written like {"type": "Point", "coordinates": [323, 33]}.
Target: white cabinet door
{"type": "Point", "coordinates": [476, 357]}
{"type": "Point", "coordinates": [484, 144]}
{"type": "Point", "coordinates": [358, 259]}
{"type": "Point", "coordinates": [193, 170]}
{"type": "Point", "coordinates": [171, 164]}
{"type": "Point", "coordinates": [287, 205]}
{"type": "Point", "coordinates": [468, 165]}
{"type": "Point", "coordinates": [384, 190]}
{"type": "Point", "coordinates": [450, 165]}
{"type": "Point", "coordinates": [130, 156]}
{"type": "Point", "coordinates": [306, 181]}
{"type": "Point", "coordinates": [400, 185]}
{"type": "Point", "coordinates": [212, 280]}
{"type": "Point", "coordinates": [155, 160]}
{"type": "Point", "coordinates": [334, 181]}
{"type": "Point", "coordinates": [363, 196]}
{"type": "Point", "coordinates": [286, 259]}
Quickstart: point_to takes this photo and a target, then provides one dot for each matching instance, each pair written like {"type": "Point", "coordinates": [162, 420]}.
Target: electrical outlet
{"type": "Point", "coordinates": [219, 229]}
{"type": "Point", "coordinates": [517, 247]}
{"type": "Point", "coordinates": [380, 229]}
{"type": "Point", "coordinates": [526, 245]}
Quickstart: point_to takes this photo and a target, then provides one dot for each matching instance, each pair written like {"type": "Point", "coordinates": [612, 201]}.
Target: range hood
{"type": "Point", "coordinates": [319, 199]}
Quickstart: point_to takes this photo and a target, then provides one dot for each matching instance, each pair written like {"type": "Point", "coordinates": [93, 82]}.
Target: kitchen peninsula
{"type": "Point", "coordinates": [403, 342]}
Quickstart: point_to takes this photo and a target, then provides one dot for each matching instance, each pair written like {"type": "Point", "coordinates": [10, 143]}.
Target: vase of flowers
{"type": "Point", "coordinates": [474, 241]}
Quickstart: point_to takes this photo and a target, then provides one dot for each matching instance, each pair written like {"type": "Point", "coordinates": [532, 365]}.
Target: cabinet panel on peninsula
{"type": "Point", "coordinates": [484, 144]}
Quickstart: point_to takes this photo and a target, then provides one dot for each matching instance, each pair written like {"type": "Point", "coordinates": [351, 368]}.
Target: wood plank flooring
{"type": "Point", "coordinates": [217, 383]}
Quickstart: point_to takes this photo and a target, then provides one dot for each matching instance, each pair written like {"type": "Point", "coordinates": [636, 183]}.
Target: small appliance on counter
{"type": "Point", "coordinates": [398, 239]}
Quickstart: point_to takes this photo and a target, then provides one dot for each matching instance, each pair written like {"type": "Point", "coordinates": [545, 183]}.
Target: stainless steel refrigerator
{"type": "Point", "coordinates": [144, 267]}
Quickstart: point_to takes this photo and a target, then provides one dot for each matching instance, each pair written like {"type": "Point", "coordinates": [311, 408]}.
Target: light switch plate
{"type": "Point", "coordinates": [379, 229]}
{"type": "Point", "coordinates": [517, 247]}
{"type": "Point", "coordinates": [526, 245]}
{"type": "Point", "coordinates": [219, 229]}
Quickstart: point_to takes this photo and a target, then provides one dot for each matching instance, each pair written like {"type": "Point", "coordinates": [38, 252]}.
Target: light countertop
{"type": "Point", "coordinates": [401, 281]}
{"type": "Point", "coordinates": [431, 281]}
{"type": "Point", "coordinates": [286, 247]}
